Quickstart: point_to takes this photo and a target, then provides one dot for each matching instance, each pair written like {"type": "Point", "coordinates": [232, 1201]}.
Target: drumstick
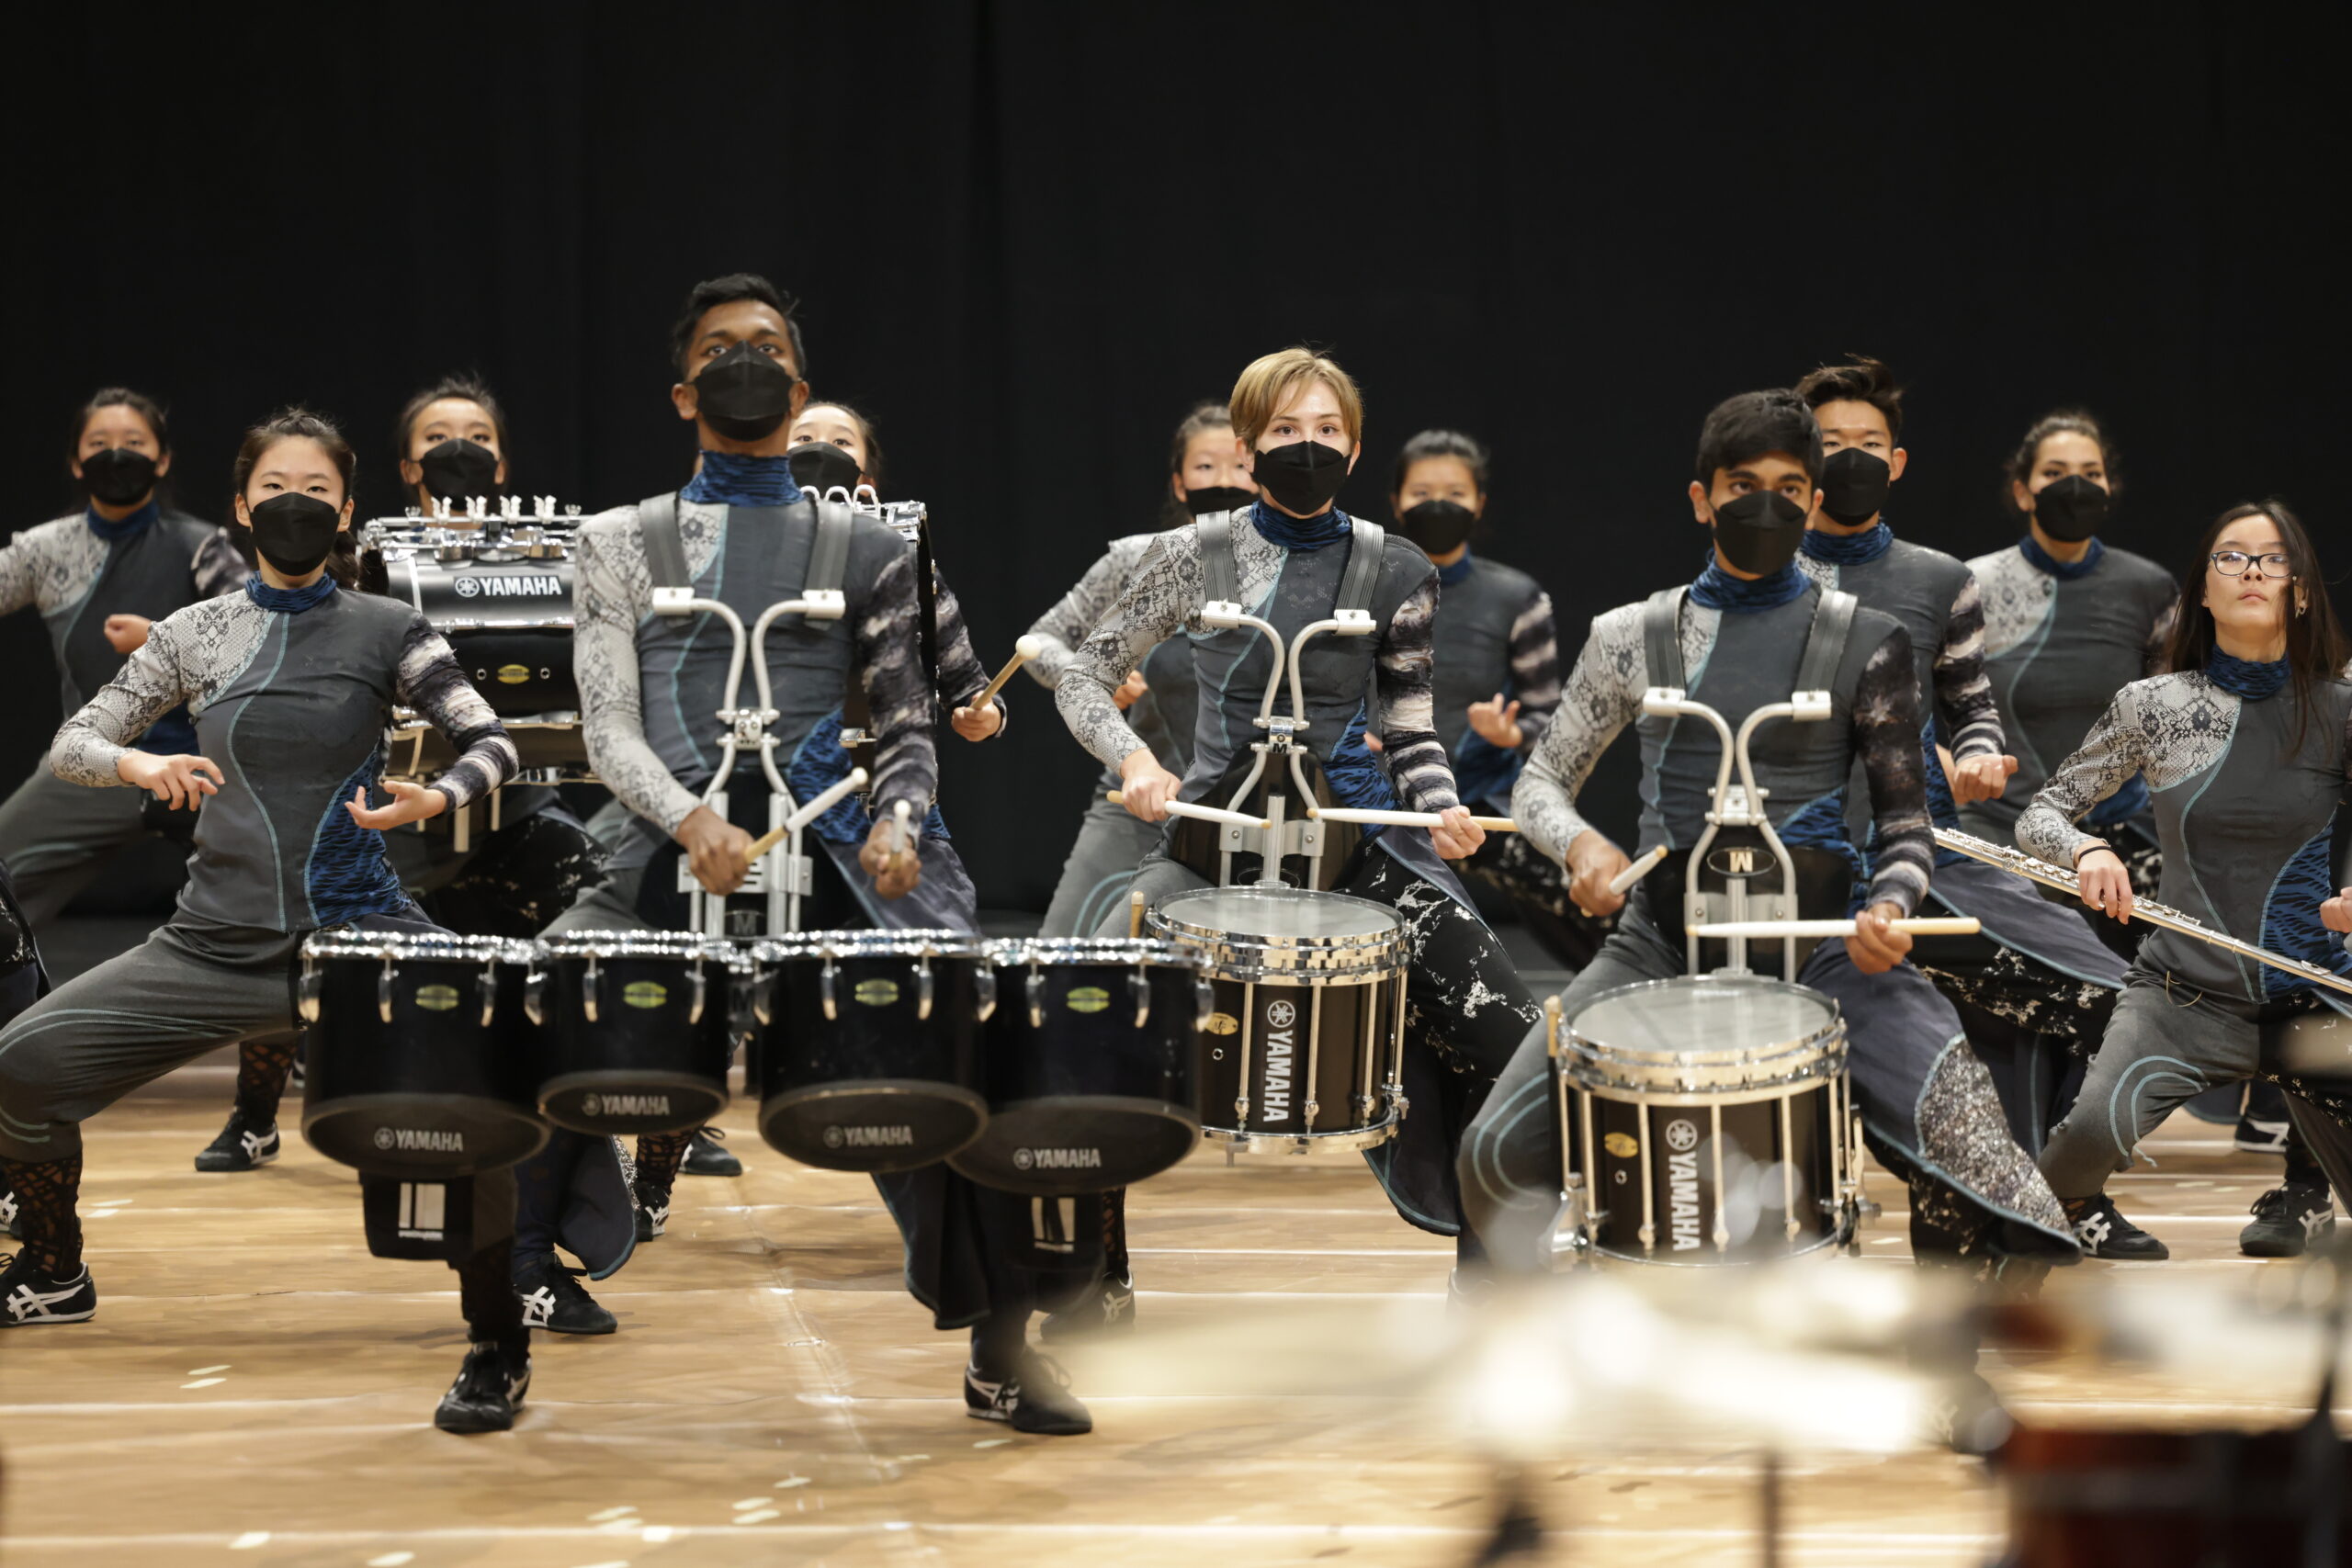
{"type": "Point", "coordinates": [1134, 914]}
{"type": "Point", "coordinates": [806, 814]}
{"type": "Point", "coordinates": [1198, 813]}
{"type": "Point", "coordinates": [898, 815]}
{"type": "Point", "coordinates": [1405, 818]}
{"type": "Point", "coordinates": [1636, 872]}
{"type": "Point", "coordinates": [1956, 925]}
{"type": "Point", "coordinates": [1027, 648]}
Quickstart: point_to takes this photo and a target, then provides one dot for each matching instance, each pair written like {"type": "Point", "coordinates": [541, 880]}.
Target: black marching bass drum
{"type": "Point", "coordinates": [422, 1063]}
{"type": "Point", "coordinates": [638, 1029]}
{"type": "Point", "coordinates": [1093, 1064]}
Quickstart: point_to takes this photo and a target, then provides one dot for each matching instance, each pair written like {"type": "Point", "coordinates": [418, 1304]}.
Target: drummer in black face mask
{"type": "Point", "coordinates": [1297, 419]}
{"type": "Point", "coordinates": [1741, 632]}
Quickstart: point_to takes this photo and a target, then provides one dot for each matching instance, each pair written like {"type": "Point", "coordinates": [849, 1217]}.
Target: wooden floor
{"type": "Point", "coordinates": [256, 1389]}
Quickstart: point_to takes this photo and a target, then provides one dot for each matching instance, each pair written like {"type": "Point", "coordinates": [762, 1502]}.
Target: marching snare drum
{"type": "Point", "coordinates": [422, 1063]}
{"type": "Point", "coordinates": [638, 1029]}
{"type": "Point", "coordinates": [866, 1052]}
{"type": "Point", "coordinates": [1303, 1046]}
{"type": "Point", "coordinates": [1708, 1120]}
{"type": "Point", "coordinates": [1091, 1062]}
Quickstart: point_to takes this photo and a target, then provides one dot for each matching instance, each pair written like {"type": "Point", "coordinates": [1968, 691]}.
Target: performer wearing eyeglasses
{"type": "Point", "coordinates": [2244, 750]}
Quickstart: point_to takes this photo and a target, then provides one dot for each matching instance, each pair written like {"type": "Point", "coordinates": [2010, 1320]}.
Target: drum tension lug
{"type": "Point", "coordinates": [489, 993]}
{"type": "Point", "coordinates": [1139, 989]}
{"type": "Point", "coordinates": [984, 993]}
{"type": "Point", "coordinates": [925, 986]}
{"type": "Point", "coordinates": [306, 996]}
{"type": "Point", "coordinates": [535, 991]}
{"type": "Point", "coordinates": [1036, 989]}
{"type": "Point", "coordinates": [590, 983]}
{"type": "Point", "coordinates": [827, 991]}
{"type": "Point", "coordinates": [702, 993]}
{"type": "Point", "coordinates": [384, 991]}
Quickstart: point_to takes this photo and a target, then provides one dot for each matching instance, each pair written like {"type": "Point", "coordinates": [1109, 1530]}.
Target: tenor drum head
{"type": "Point", "coordinates": [1275, 912]}
{"type": "Point", "coordinates": [1703, 1035]}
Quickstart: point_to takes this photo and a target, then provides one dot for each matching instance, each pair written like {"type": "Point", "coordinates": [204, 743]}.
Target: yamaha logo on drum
{"type": "Point", "coordinates": [508, 585]}
{"type": "Point", "coordinates": [419, 1140]}
{"type": "Point", "coordinates": [436, 999]}
{"type": "Point", "coordinates": [624, 1105]}
{"type": "Point", "coordinates": [876, 993]}
{"type": "Point", "coordinates": [1682, 1135]}
{"type": "Point", "coordinates": [1058, 1159]}
{"type": "Point", "coordinates": [899, 1137]}
{"type": "Point", "coordinates": [1682, 1183]}
{"type": "Point", "coordinates": [645, 994]}
{"type": "Point", "coordinates": [1282, 1051]}
{"type": "Point", "coordinates": [1087, 998]}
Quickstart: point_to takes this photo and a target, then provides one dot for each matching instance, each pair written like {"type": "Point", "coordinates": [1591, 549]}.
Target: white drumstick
{"type": "Point", "coordinates": [1198, 813]}
{"type": "Point", "coordinates": [1405, 818]}
{"type": "Point", "coordinates": [1625, 879]}
{"type": "Point", "coordinates": [1958, 925]}
{"type": "Point", "coordinates": [901, 814]}
{"type": "Point", "coordinates": [832, 796]}
{"type": "Point", "coordinates": [1027, 648]}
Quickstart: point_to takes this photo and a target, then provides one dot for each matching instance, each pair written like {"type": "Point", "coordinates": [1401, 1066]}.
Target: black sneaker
{"type": "Point", "coordinates": [1106, 1307]}
{"type": "Point", "coordinates": [554, 1298]}
{"type": "Point", "coordinates": [2257, 1136]}
{"type": "Point", "coordinates": [2287, 1219]}
{"type": "Point", "coordinates": [240, 1146]}
{"type": "Point", "coordinates": [1036, 1398]}
{"type": "Point", "coordinates": [2105, 1233]}
{"type": "Point", "coordinates": [705, 1158]}
{"type": "Point", "coordinates": [490, 1387]}
{"type": "Point", "coordinates": [11, 1217]}
{"type": "Point", "coordinates": [29, 1295]}
{"type": "Point", "coordinates": [652, 1215]}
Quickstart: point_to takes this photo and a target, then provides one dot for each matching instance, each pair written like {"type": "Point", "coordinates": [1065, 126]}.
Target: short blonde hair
{"type": "Point", "coordinates": [1269, 381]}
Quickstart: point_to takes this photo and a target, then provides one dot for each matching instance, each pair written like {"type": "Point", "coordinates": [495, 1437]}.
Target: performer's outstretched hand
{"type": "Point", "coordinates": [411, 803]}
{"type": "Point", "coordinates": [1980, 778]}
{"type": "Point", "coordinates": [2336, 913]}
{"type": "Point", "coordinates": [178, 781]}
{"type": "Point", "coordinates": [895, 869]}
{"type": "Point", "coordinates": [1876, 947]}
{"type": "Point", "coordinates": [127, 633]}
{"type": "Point", "coordinates": [2106, 885]}
{"type": "Point", "coordinates": [1131, 690]}
{"type": "Point", "coordinates": [1592, 864]}
{"type": "Point", "coordinates": [1497, 722]}
{"type": "Point", "coordinates": [1144, 787]}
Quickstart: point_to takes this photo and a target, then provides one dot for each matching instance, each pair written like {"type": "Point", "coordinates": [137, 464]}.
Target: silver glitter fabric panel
{"type": "Point", "coordinates": [2033, 996]}
{"type": "Point", "coordinates": [1963, 1131]}
{"type": "Point", "coordinates": [2017, 597]}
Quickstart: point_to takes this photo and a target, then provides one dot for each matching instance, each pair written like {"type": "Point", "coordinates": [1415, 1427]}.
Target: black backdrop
{"type": "Point", "coordinates": [1027, 235]}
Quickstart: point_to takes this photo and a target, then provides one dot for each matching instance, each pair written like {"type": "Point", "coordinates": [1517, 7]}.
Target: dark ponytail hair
{"type": "Point", "coordinates": [2317, 650]}
{"type": "Point", "coordinates": [2019, 469]}
{"type": "Point", "coordinates": [286, 424]}
{"type": "Point", "coordinates": [1209, 413]}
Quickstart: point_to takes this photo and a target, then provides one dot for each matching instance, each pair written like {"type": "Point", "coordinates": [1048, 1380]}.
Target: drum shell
{"type": "Point", "coordinates": [1686, 1198]}
{"type": "Point", "coordinates": [1287, 1023]}
{"type": "Point", "coordinates": [1081, 1098]}
{"type": "Point", "coordinates": [645, 1064]}
{"type": "Point", "coordinates": [543, 743]}
{"type": "Point", "coordinates": [433, 1094]}
{"type": "Point", "coordinates": [508, 622]}
{"type": "Point", "coordinates": [875, 1088]}
{"type": "Point", "coordinates": [2169, 1499]}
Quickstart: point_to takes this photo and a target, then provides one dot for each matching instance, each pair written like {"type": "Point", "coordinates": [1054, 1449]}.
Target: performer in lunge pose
{"type": "Point", "coordinates": [1750, 631]}
{"type": "Point", "coordinates": [2245, 749]}
{"type": "Point", "coordinates": [743, 532]}
{"type": "Point", "coordinates": [2037, 980]}
{"type": "Point", "coordinates": [98, 577]}
{"type": "Point", "coordinates": [290, 685]}
{"type": "Point", "coordinates": [1290, 559]}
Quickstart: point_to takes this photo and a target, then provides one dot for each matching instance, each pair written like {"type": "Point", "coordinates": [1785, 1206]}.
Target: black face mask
{"type": "Point", "coordinates": [1437, 525]}
{"type": "Point", "coordinates": [744, 394]}
{"type": "Point", "coordinates": [118, 476]}
{"type": "Point", "coordinates": [1760, 532]}
{"type": "Point", "coordinates": [1218, 498]}
{"type": "Point", "coordinates": [458, 469]}
{"type": "Point", "coordinates": [1302, 476]}
{"type": "Point", "coordinates": [1854, 485]}
{"type": "Point", "coordinates": [295, 533]}
{"type": "Point", "coordinates": [821, 466]}
{"type": "Point", "coordinates": [2071, 509]}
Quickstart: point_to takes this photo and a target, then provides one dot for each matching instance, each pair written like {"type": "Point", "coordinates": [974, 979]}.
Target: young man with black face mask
{"type": "Point", "coordinates": [1737, 638]}
{"type": "Point", "coordinates": [2037, 980]}
{"type": "Point", "coordinates": [741, 531]}
{"type": "Point", "coordinates": [99, 577]}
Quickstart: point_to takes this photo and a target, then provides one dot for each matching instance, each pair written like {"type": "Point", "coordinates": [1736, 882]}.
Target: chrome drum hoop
{"type": "Point", "coordinates": [865, 943]}
{"type": "Point", "coordinates": [1151, 953]}
{"type": "Point", "coordinates": [1275, 958]}
{"type": "Point", "coordinates": [422, 947]}
{"type": "Point", "coordinates": [682, 947]}
{"type": "Point", "coordinates": [1805, 1044]}
{"type": "Point", "coordinates": [1349, 1141]}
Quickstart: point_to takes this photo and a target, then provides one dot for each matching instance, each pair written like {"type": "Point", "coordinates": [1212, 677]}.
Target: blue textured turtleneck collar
{"type": "Point", "coordinates": [1719, 590]}
{"type": "Point", "coordinates": [292, 601]}
{"type": "Point", "coordinates": [1447, 576]}
{"type": "Point", "coordinates": [2244, 677]}
{"type": "Point", "coordinates": [1849, 549]}
{"type": "Point", "coordinates": [1300, 533]}
{"type": "Point", "coordinates": [2031, 548]}
{"type": "Point", "coordinates": [137, 522]}
{"type": "Point", "coordinates": [739, 479]}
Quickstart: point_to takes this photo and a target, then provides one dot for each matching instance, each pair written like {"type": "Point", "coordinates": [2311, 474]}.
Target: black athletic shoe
{"type": "Point", "coordinates": [2105, 1233]}
{"type": "Point", "coordinates": [240, 1146]}
{"type": "Point", "coordinates": [11, 1217]}
{"type": "Point", "coordinates": [652, 1215]}
{"type": "Point", "coordinates": [1036, 1398]}
{"type": "Point", "coordinates": [705, 1158]}
{"type": "Point", "coordinates": [29, 1295]}
{"type": "Point", "coordinates": [489, 1389]}
{"type": "Point", "coordinates": [554, 1298]}
{"type": "Point", "coordinates": [2257, 1136]}
{"type": "Point", "coordinates": [1106, 1307]}
{"type": "Point", "coordinates": [2287, 1219]}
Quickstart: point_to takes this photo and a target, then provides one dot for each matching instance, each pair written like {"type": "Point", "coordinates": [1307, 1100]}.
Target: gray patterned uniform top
{"type": "Point", "coordinates": [1494, 634]}
{"type": "Point", "coordinates": [1163, 716]}
{"type": "Point", "coordinates": [292, 707]}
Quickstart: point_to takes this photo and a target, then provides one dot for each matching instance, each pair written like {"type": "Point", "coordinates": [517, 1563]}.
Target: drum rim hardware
{"type": "Point", "coordinates": [1697, 1074]}
{"type": "Point", "coordinates": [1339, 959]}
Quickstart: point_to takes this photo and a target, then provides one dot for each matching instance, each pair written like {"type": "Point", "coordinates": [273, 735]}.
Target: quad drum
{"type": "Point", "coordinates": [1304, 1043]}
{"type": "Point", "coordinates": [638, 1028]}
{"type": "Point", "coordinates": [1705, 1121]}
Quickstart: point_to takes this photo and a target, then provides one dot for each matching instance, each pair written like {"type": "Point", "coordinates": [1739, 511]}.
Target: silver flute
{"type": "Point", "coordinates": [2023, 864]}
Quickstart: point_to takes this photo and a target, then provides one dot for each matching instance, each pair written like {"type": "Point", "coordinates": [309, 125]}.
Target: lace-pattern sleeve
{"type": "Point", "coordinates": [2116, 748]}
{"type": "Point", "coordinates": [614, 589]}
{"type": "Point", "coordinates": [1162, 595]}
{"type": "Point", "coordinates": [1603, 694]}
{"type": "Point", "coordinates": [152, 683]}
{"type": "Point", "coordinates": [1077, 611]}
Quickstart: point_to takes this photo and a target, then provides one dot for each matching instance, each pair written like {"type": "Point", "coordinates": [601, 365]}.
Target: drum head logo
{"type": "Point", "coordinates": [1222, 1023]}
{"type": "Point", "coordinates": [436, 999]}
{"type": "Point", "coordinates": [1088, 998]}
{"type": "Point", "coordinates": [876, 993]}
{"type": "Point", "coordinates": [591, 1104]}
{"type": "Point", "coordinates": [514, 674]}
{"type": "Point", "coordinates": [1682, 1135]}
{"type": "Point", "coordinates": [1022, 1159]}
{"type": "Point", "coordinates": [1623, 1145]}
{"type": "Point", "coordinates": [468, 587]}
{"type": "Point", "coordinates": [644, 993]}
{"type": "Point", "coordinates": [383, 1137]}
{"type": "Point", "coordinates": [832, 1138]}
{"type": "Point", "coordinates": [1280, 1015]}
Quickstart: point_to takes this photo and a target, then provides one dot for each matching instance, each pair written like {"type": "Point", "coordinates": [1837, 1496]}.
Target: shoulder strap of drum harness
{"type": "Point", "coordinates": [1824, 879]}
{"type": "Point", "coordinates": [1315, 853]}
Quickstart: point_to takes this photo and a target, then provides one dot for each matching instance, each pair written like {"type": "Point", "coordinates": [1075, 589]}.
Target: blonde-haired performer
{"type": "Point", "coordinates": [1291, 558]}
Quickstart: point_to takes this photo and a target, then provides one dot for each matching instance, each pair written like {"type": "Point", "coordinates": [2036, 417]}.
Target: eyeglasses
{"type": "Point", "coordinates": [2233, 563]}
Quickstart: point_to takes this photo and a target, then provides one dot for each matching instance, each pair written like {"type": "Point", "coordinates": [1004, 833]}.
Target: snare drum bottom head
{"type": "Point", "coordinates": [1074, 1144]}
{"type": "Point", "coordinates": [873, 1125]}
{"type": "Point", "coordinates": [423, 1137]}
{"type": "Point", "coordinates": [623, 1102]}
